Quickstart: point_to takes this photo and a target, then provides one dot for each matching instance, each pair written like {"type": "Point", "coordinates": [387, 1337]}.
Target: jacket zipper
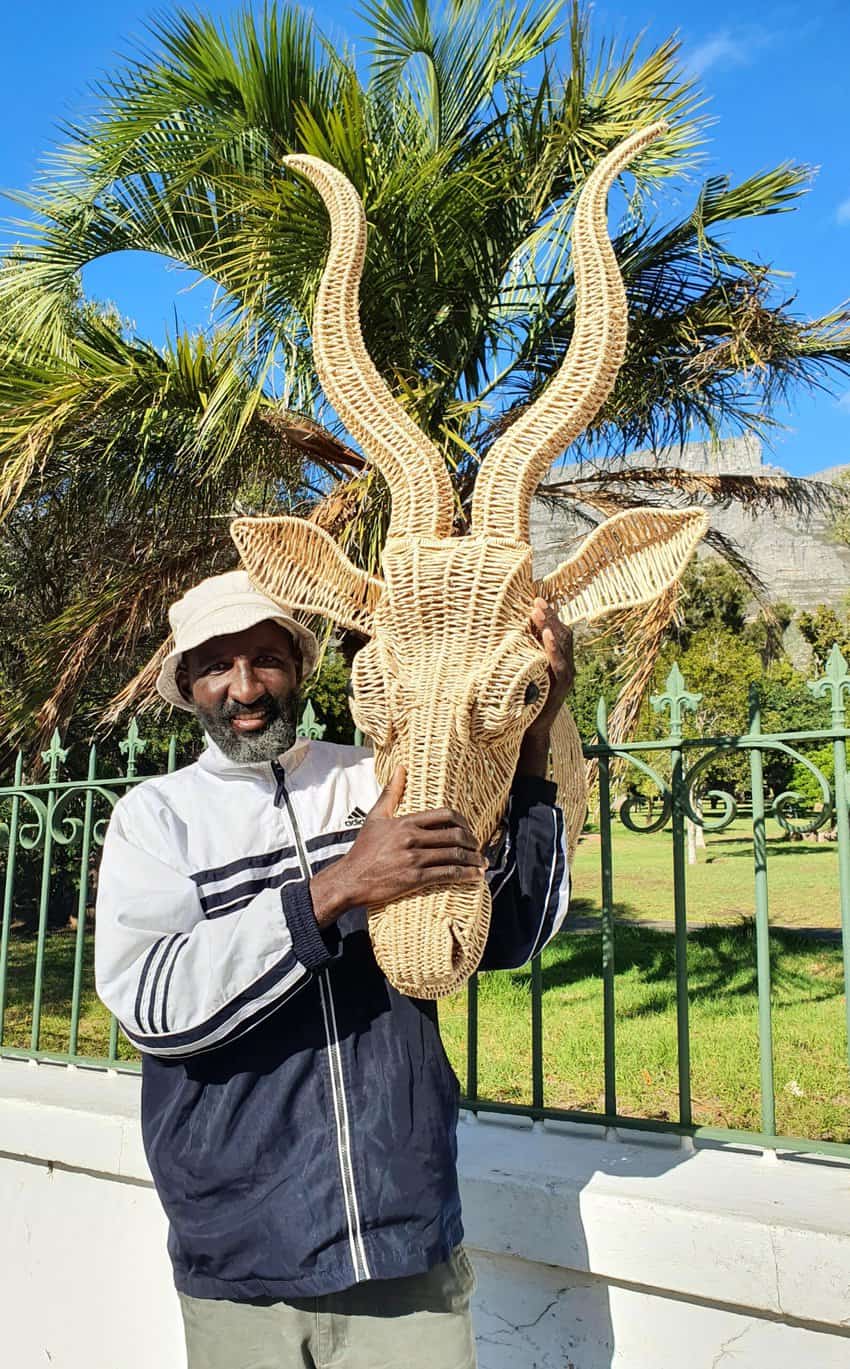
{"type": "Point", "coordinates": [349, 1193]}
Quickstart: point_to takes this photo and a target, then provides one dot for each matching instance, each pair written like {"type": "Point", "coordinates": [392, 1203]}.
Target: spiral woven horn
{"type": "Point", "coordinates": [518, 460]}
{"type": "Point", "coordinates": [414, 469]}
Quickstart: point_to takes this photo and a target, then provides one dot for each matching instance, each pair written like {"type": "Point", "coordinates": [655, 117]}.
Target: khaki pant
{"type": "Point", "coordinates": [421, 1322]}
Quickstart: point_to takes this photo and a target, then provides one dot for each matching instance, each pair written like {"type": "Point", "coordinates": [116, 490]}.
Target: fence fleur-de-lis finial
{"type": "Point", "coordinates": [55, 755]}
{"type": "Point", "coordinates": [835, 682]}
{"type": "Point", "coordinates": [676, 698]}
{"type": "Point", "coordinates": [132, 746]}
{"type": "Point", "coordinates": [309, 726]}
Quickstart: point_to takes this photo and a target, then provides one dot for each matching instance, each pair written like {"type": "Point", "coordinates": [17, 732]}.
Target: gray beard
{"type": "Point", "coordinates": [271, 741]}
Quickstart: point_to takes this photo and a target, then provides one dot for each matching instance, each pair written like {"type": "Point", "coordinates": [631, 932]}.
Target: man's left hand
{"type": "Point", "coordinates": [557, 642]}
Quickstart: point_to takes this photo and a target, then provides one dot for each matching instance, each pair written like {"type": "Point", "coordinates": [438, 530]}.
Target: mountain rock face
{"type": "Point", "coordinates": [791, 552]}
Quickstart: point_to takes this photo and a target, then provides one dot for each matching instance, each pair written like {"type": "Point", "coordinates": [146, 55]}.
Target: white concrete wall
{"type": "Point", "coordinates": [591, 1253]}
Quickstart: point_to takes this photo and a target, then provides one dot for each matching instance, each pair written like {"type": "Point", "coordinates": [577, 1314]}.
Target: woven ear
{"type": "Point", "coordinates": [629, 560]}
{"type": "Point", "coordinates": [300, 566]}
{"type": "Point", "coordinates": [569, 773]}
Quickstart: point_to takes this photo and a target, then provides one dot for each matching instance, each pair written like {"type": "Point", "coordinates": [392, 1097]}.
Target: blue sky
{"type": "Point", "coordinates": [777, 80]}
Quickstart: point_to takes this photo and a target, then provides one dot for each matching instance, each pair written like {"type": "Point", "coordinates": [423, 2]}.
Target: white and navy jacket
{"type": "Point", "coordinates": [298, 1113]}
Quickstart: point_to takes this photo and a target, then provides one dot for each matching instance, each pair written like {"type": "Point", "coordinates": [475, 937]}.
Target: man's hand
{"type": "Point", "coordinates": [557, 642]}
{"type": "Point", "coordinates": [396, 856]}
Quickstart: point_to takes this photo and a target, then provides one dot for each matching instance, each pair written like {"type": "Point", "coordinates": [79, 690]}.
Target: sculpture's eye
{"type": "Point", "coordinates": [508, 695]}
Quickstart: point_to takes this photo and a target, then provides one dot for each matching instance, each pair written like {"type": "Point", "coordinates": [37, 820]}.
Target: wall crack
{"type": "Point", "coordinates": [725, 1347]}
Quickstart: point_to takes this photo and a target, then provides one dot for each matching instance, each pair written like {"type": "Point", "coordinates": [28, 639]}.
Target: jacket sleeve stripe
{"type": "Point", "coordinates": [157, 977]}
{"type": "Point", "coordinates": [167, 984]}
{"type": "Point", "coordinates": [235, 867]}
{"type": "Point", "coordinates": [498, 877]}
{"type": "Point", "coordinates": [215, 907]}
{"type": "Point", "coordinates": [249, 1019]}
{"type": "Point", "coordinates": [347, 835]}
{"type": "Point", "coordinates": [226, 900]}
{"type": "Point", "coordinates": [498, 884]}
{"type": "Point", "coordinates": [216, 1026]}
{"type": "Point", "coordinates": [245, 892]}
{"type": "Point", "coordinates": [151, 955]}
{"type": "Point", "coordinates": [547, 926]}
{"type": "Point", "coordinates": [562, 887]}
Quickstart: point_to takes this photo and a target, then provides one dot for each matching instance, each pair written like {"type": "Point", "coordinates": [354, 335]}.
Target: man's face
{"type": "Point", "coordinates": [243, 688]}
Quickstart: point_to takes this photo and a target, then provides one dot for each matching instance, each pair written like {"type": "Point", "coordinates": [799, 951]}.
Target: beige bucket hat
{"type": "Point", "coordinates": [217, 606]}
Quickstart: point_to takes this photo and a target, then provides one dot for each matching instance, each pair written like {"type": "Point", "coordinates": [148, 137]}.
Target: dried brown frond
{"type": "Point", "coordinates": [336, 510]}
{"type": "Point", "coordinates": [110, 624]}
{"type": "Point", "coordinates": [730, 552]}
{"type": "Point", "coordinates": [761, 331]}
{"type": "Point", "coordinates": [308, 438]}
{"type": "Point", "coordinates": [139, 694]}
{"type": "Point", "coordinates": [753, 493]}
{"type": "Point", "coordinates": [644, 632]}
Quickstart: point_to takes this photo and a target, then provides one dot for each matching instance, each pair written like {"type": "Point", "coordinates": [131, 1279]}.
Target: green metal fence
{"type": "Point", "coordinates": [51, 831]}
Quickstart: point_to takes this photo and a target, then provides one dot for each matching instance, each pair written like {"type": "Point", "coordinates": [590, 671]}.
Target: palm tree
{"type": "Point", "coordinates": [469, 149]}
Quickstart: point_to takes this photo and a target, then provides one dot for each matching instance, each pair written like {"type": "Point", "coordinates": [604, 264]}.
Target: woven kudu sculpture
{"type": "Point", "coordinates": [453, 674]}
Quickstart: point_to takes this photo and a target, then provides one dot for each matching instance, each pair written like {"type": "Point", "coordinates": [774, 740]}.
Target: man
{"type": "Point", "coordinates": [299, 1114]}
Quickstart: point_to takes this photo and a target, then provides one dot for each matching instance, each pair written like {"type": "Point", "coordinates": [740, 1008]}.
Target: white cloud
{"type": "Point", "coordinates": [842, 213]}
{"type": "Point", "coordinates": [844, 401]}
{"type": "Point", "coordinates": [722, 48]}
{"type": "Point", "coordinates": [731, 47]}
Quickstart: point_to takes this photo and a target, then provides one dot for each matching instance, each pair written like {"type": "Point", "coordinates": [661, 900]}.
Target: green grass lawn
{"type": "Point", "coordinates": [802, 878]}
{"type": "Point", "coordinates": [812, 1089]}
{"type": "Point", "coordinates": [810, 1044]}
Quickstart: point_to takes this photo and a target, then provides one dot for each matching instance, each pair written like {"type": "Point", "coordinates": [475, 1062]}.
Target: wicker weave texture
{"type": "Point", "coordinates": [518, 460]}
{"type": "Point", "coordinates": [302, 564]}
{"type": "Point", "coordinates": [450, 706]}
{"type": "Point", "coordinates": [569, 773]}
{"type": "Point", "coordinates": [453, 675]}
{"type": "Point", "coordinates": [414, 469]}
{"type": "Point", "coordinates": [629, 560]}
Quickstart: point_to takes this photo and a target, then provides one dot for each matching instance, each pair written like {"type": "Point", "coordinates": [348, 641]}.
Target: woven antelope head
{"type": "Point", "coordinates": [453, 674]}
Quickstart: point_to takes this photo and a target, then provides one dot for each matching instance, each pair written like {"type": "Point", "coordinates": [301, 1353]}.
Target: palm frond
{"type": "Point", "coordinates": [127, 609]}
{"type": "Point", "coordinates": [677, 485]}
{"type": "Point", "coordinates": [469, 145]}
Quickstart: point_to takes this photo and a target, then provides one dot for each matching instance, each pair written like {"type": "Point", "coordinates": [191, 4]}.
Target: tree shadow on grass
{"type": "Point", "coordinates": [723, 964]}
{"type": "Point", "coordinates": [778, 846]}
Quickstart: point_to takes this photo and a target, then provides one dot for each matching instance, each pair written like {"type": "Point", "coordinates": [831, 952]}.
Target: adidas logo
{"type": "Point", "coordinates": [356, 818]}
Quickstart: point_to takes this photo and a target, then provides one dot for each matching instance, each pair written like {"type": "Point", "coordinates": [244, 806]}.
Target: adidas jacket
{"type": "Point", "coordinates": [298, 1113]}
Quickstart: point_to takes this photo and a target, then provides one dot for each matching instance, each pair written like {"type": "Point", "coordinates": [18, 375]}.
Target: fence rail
{"type": "Point", "coordinates": [51, 831]}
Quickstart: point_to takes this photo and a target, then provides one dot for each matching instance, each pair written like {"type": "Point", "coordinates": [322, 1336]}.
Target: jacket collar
{"type": "Point", "coordinates": [214, 759]}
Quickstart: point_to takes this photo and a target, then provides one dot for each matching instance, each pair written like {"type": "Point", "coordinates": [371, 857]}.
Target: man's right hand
{"type": "Point", "coordinates": [396, 856]}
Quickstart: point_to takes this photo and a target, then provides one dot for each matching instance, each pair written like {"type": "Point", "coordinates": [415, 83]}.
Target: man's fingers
{"type": "Point", "coordinates": [391, 796]}
{"type": "Point", "coordinates": [438, 817]}
{"type": "Point", "coordinates": [450, 874]}
{"type": "Point", "coordinates": [445, 836]}
{"type": "Point", "coordinates": [461, 856]}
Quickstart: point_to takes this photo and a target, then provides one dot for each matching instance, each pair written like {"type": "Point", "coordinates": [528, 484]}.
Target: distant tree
{"type": "Point", "coordinates": [721, 666]}
{"type": "Point", "coordinates": [839, 518]}
{"type": "Point", "coordinates": [766, 631]}
{"type": "Point", "coordinates": [328, 692]}
{"type": "Point", "coordinates": [801, 780]}
{"type": "Point", "coordinates": [822, 628]}
{"type": "Point", "coordinates": [596, 677]}
{"type": "Point", "coordinates": [713, 596]}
